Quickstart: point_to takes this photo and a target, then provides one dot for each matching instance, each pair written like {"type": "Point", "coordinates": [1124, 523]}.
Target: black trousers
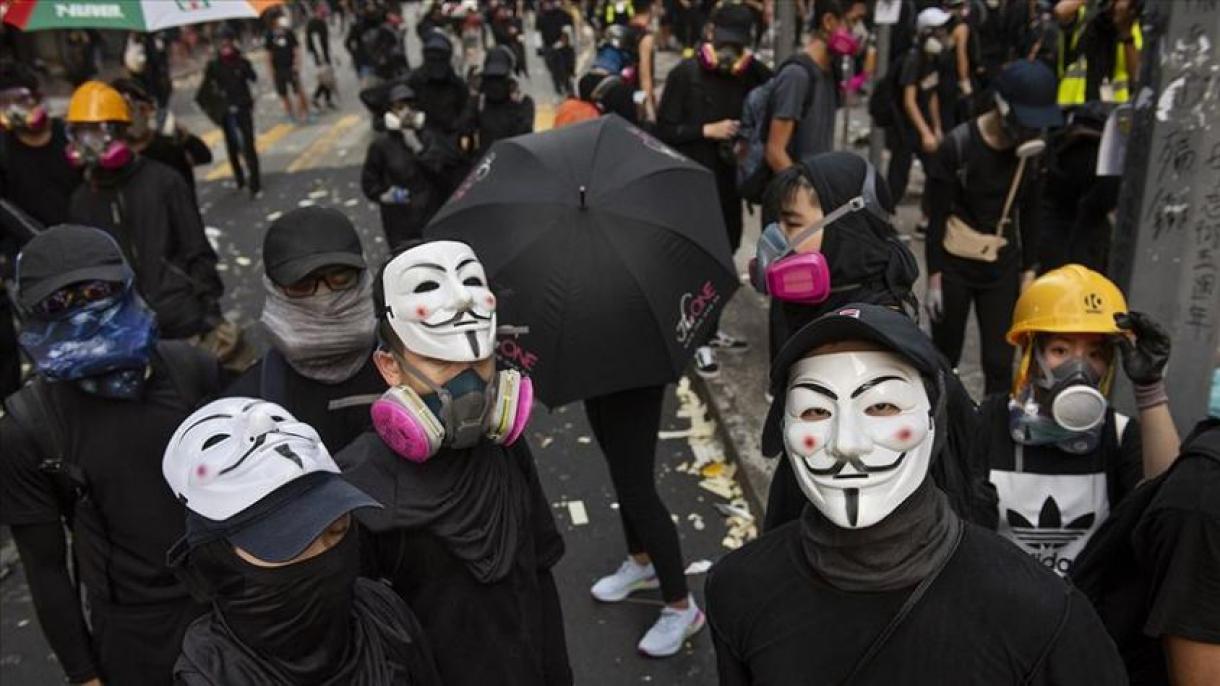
{"type": "Point", "coordinates": [625, 425]}
{"type": "Point", "coordinates": [993, 301]}
{"type": "Point", "coordinates": [10, 357]}
{"type": "Point", "coordinates": [138, 645]}
{"type": "Point", "coordinates": [239, 143]}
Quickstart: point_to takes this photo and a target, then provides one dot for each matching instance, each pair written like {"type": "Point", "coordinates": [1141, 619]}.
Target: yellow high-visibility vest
{"type": "Point", "coordinates": [1073, 77]}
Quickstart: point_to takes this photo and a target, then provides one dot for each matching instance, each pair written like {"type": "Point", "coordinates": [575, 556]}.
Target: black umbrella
{"type": "Point", "coordinates": [605, 244]}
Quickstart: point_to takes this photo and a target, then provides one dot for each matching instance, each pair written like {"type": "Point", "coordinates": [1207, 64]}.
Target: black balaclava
{"type": "Point", "coordinates": [496, 89]}
{"type": "Point", "coordinates": [868, 263]}
{"type": "Point", "coordinates": [297, 617]}
{"type": "Point", "coordinates": [437, 65]}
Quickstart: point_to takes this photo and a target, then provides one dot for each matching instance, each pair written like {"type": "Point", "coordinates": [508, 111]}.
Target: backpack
{"type": "Point", "coordinates": [882, 102]}
{"type": "Point", "coordinates": [753, 172]}
{"type": "Point", "coordinates": [1108, 570]}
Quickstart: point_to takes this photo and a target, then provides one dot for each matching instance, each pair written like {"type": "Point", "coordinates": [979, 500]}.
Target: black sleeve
{"type": "Point", "coordinates": [1030, 203]}
{"type": "Point", "coordinates": [730, 667]}
{"type": "Point", "coordinates": [44, 558]}
{"type": "Point", "coordinates": [1181, 552]}
{"type": "Point", "coordinates": [251, 75]}
{"type": "Point", "coordinates": [1131, 458]}
{"type": "Point", "coordinates": [526, 113]}
{"type": "Point", "coordinates": [908, 71]}
{"type": "Point", "coordinates": [372, 174]}
{"type": "Point", "coordinates": [194, 251]}
{"type": "Point", "coordinates": [675, 125]}
{"type": "Point", "coordinates": [28, 495]}
{"type": "Point", "coordinates": [1082, 651]}
{"type": "Point", "coordinates": [941, 181]}
{"type": "Point", "coordinates": [196, 150]}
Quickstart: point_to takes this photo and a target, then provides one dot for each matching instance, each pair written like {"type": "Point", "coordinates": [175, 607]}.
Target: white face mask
{"type": "Point", "coordinates": [409, 118]}
{"type": "Point", "coordinates": [933, 45]}
{"type": "Point", "coordinates": [438, 302]}
{"type": "Point", "coordinates": [858, 428]}
{"type": "Point", "coordinates": [284, 22]}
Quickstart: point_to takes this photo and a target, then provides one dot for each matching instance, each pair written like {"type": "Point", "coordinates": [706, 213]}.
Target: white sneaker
{"type": "Point", "coordinates": [724, 341]}
{"type": "Point", "coordinates": [674, 626]}
{"type": "Point", "coordinates": [630, 577]}
{"type": "Point", "coordinates": [705, 363]}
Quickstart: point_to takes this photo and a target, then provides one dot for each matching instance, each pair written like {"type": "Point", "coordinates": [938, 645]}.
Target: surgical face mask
{"type": "Point", "coordinates": [284, 22]}
{"type": "Point", "coordinates": [933, 45]}
{"type": "Point", "coordinates": [134, 57]}
{"type": "Point", "coordinates": [859, 430]}
{"type": "Point", "coordinates": [438, 303]}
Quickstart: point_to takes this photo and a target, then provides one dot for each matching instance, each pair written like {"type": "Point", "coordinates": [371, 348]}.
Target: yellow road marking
{"type": "Point", "coordinates": [312, 154]}
{"type": "Point", "coordinates": [212, 137]}
{"type": "Point", "coordinates": [544, 117]}
{"type": "Point", "coordinates": [265, 140]}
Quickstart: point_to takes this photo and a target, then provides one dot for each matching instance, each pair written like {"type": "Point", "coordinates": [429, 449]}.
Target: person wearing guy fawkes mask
{"type": "Point", "coordinates": [1060, 457]}
{"type": "Point", "coordinates": [869, 585]}
{"type": "Point", "coordinates": [466, 537]}
{"type": "Point", "coordinates": [271, 545]}
{"type": "Point", "coordinates": [834, 235]}
{"type": "Point", "coordinates": [318, 315]}
{"type": "Point", "coordinates": [404, 172]}
{"type": "Point", "coordinates": [440, 93]}
{"type": "Point", "coordinates": [82, 445]}
{"type": "Point", "coordinates": [985, 186]}
{"type": "Point", "coordinates": [503, 109]}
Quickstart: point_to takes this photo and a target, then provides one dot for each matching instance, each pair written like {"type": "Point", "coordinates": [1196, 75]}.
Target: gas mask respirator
{"type": "Point", "coordinates": [21, 110]}
{"type": "Point", "coordinates": [1064, 406]}
{"type": "Point", "coordinates": [781, 272]}
{"type": "Point", "coordinates": [403, 118]}
{"type": "Point", "coordinates": [97, 147]}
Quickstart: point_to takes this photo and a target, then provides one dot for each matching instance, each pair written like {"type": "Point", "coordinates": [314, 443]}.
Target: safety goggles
{"type": "Point", "coordinates": [76, 296]}
{"type": "Point", "coordinates": [21, 98]}
{"type": "Point", "coordinates": [339, 279]}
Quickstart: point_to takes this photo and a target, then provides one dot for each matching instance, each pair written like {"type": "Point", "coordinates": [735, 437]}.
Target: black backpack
{"type": "Point", "coordinates": [1108, 571]}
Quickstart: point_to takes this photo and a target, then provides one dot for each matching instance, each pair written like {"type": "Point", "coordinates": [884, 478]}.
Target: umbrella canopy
{"type": "Point", "coordinates": [127, 15]}
{"type": "Point", "coordinates": [605, 244]}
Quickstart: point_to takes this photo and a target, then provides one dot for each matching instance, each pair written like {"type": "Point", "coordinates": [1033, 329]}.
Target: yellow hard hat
{"type": "Point", "coordinates": [96, 102]}
{"type": "Point", "coordinates": [1070, 299]}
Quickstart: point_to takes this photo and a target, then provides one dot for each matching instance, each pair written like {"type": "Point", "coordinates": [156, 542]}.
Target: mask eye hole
{"type": "Point", "coordinates": [882, 410]}
{"type": "Point", "coordinates": [277, 418]}
{"type": "Point", "coordinates": [473, 281]}
{"type": "Point", "coordinates": [426, 286]}
{"type": "Point", "coordinates": [214, 439]}
{"type": "Point", "coordinates": [815, 414]}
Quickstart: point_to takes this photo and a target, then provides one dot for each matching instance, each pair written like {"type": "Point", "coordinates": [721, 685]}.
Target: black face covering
{"type": "Point", "coordinates": [868, 264]}
{"type": "Point", "coordinates": [496, 88]}
{"type": "Point", "coordinates": [436, 65]}
{"type": "Point", "coordinates": [297, 617]}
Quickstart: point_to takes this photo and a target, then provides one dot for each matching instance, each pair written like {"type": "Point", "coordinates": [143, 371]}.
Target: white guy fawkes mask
{"type": "Point", "coordinates": [859, 430]}
{"type": "Point", "coordinates": [232, 452]}
{"type": "Point", "coordinates": [438, 303]}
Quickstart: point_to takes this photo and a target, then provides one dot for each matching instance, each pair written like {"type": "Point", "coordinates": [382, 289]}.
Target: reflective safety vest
{"type": "Point", "coordinates": [1073, 79]}
{"type": "Point", "coordinates": [618, 12]}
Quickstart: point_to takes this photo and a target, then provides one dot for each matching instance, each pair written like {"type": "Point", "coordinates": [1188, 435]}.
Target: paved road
{"type": "Point", "coordinates": [319, 163]}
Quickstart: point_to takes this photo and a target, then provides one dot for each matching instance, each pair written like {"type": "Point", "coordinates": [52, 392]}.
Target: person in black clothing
{"type": "Point", "coordinates": [147, 60]}
{"type": "Point", "coordinates": [283, 60]}
{"type": "Point", "coordinates": [971, 192]}
{"type": "Point", "coordinates": [81, 55]}
{"type": "Point", "coordinates": [403, 169]}
{"type": "Point", "coordinates": [167, 143]}
{"type": "Point", "coordinates": [867, 263]}
{"type": "Point", "coordinates": [83, 445]}
{"type": "Point", "coordinates": [230, 74]}
{"type": "Point", "coordinates": [149, 210]}
{"type": "Point", "coordinates": [317, 40]}
{"type": "Point", "coordinates": [555, 27]}
{"type": "Point", "coordinates": [918, 129]}
{"type": "Point", "coordinates": [439, 91]}
{"type": "Point", "coordinates": [507, 30]}
{"type": "Point", "coordinates": [376, 48]}
{"type": "Point", "coordinates": [271, 545]}
{"type": "Point", "coordinates": [867, 587]}
{"type": "Point", "coordinates": [503, 109]}
{"type": "Point", "coordinates": [466, 537]}
{"type": "Point", "coordinates": [1031, 31]}
{"type": "Point", "coordinates": [318, 315]}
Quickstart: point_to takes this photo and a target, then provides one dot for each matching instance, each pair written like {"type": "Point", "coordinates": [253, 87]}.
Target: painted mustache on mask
{"type": "Point", "coordinates": [862, 469]}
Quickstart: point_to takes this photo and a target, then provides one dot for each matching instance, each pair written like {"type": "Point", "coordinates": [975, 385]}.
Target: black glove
{"type": "Point", "coordinates": [1145, 359]}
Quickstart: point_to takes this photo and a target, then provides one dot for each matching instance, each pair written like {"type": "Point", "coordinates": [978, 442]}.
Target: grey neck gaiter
{"type": "Point", "coordinates": [326, 337]}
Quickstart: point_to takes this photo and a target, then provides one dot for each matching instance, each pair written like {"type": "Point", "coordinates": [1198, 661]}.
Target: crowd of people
{"type": "Point", "coordinates": [358, 503]}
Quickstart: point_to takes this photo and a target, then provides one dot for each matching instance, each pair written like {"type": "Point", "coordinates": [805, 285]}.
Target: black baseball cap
{"type": "Point", "coordinates": [282, 524]}
{"type": "Point", "coordinates": [307, 239]}
{"type": "Point", "coordinates": [436, 41]}
{"type": "Point", "coordinates": [499, 62]}
{"type": "Point", "coordinates": [885, 326]}
{"type": "Point", "coordinates": [67, 254]}
{"type": "Point", "coordinates": [400, 92]}
{"type": "Point", "coordinates": [1031, 89]}
{"type": "Point", "coordinates": [731, 24]}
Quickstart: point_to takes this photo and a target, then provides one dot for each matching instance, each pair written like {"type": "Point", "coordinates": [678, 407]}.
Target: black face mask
{"type": "Point", "coordinates": [496, 88]}
{"type": "Point", "coordinates": [298, 616]}
{"type": "Point", "coordinates": [436, 65]}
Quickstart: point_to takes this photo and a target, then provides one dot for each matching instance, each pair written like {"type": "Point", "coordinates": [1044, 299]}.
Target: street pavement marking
{"type": "Point", "coordinates": [314, 152]}
{"type": "Point", "coordinates": [211, 137]}
{"type": "Point", "coordinates": [265, 140]}
{"type": "Point", "coordinates": [544, 117]}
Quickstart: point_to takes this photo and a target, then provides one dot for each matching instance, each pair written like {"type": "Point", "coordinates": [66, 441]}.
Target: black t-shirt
{"type": "Point", "coordinates": [1051, 501]}
{"type": "Point", "coordinates": [38, 180]}
{"type": "Point", "coordinates": [283, 46]}
{"type": "Point", "coordinates": [992, 617]}
{"type": "Point", "coordinates": [924, 72]}
{"type": "Point", "coordinates": [338, 412]}
{"type": "Point", "coordinates": [129, 517]}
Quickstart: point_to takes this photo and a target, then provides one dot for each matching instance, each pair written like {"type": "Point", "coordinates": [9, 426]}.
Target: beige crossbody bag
{"type": "Point", "coordinates": [962, 240]}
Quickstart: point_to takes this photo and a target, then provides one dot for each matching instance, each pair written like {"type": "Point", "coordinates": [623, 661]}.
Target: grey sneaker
{"type": "Point", "coordinates": [629, 578]}
{"type": "Point", "coordinates": [705, 363]}
{"type": "Point", "coordinates": [673, 627]}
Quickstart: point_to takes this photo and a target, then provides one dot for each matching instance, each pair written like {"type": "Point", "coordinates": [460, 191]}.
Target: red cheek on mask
{"type": "Point", "coordinates": [201, 471]}
{"type": "Point", "coordinates": [491, 301]}
{"type": "Point", "coordinates": [904, 434]}
{"type": "Point", "coordinates": [421, 312]}
{"type": "Point", "coordinates": [810, 442]}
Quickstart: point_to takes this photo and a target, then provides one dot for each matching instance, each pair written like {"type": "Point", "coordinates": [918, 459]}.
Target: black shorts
{"type": "Point", "coordinates": [284, 79]}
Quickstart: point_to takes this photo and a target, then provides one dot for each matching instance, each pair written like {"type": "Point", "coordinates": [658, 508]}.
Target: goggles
{"type": "Point", "coordinates": [342, 279]}
{"type": "Point", "coordinates": [76, 296]}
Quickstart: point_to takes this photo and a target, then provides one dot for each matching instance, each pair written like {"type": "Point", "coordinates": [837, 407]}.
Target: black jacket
{"type": "Point", "coordinates": [389, 644]}
{"type": "Point", "coordinates": [149, 210]}
{"type": "Point", "coordinates": [442, 101]}
{"type": "Point", "coordinates": [233, 79]}
{"type": "Point", "coordinates": [390, 162]}
{"type": "Point", "coordinates": [499, 120]}
{"type": "Point", "coordinates": [695, 96]}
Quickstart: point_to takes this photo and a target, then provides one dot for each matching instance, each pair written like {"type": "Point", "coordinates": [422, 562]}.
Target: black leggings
{"type": "Point", "coordinates": [993, 305]}
{"type": "Point", "coordinates": [625, 425]}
